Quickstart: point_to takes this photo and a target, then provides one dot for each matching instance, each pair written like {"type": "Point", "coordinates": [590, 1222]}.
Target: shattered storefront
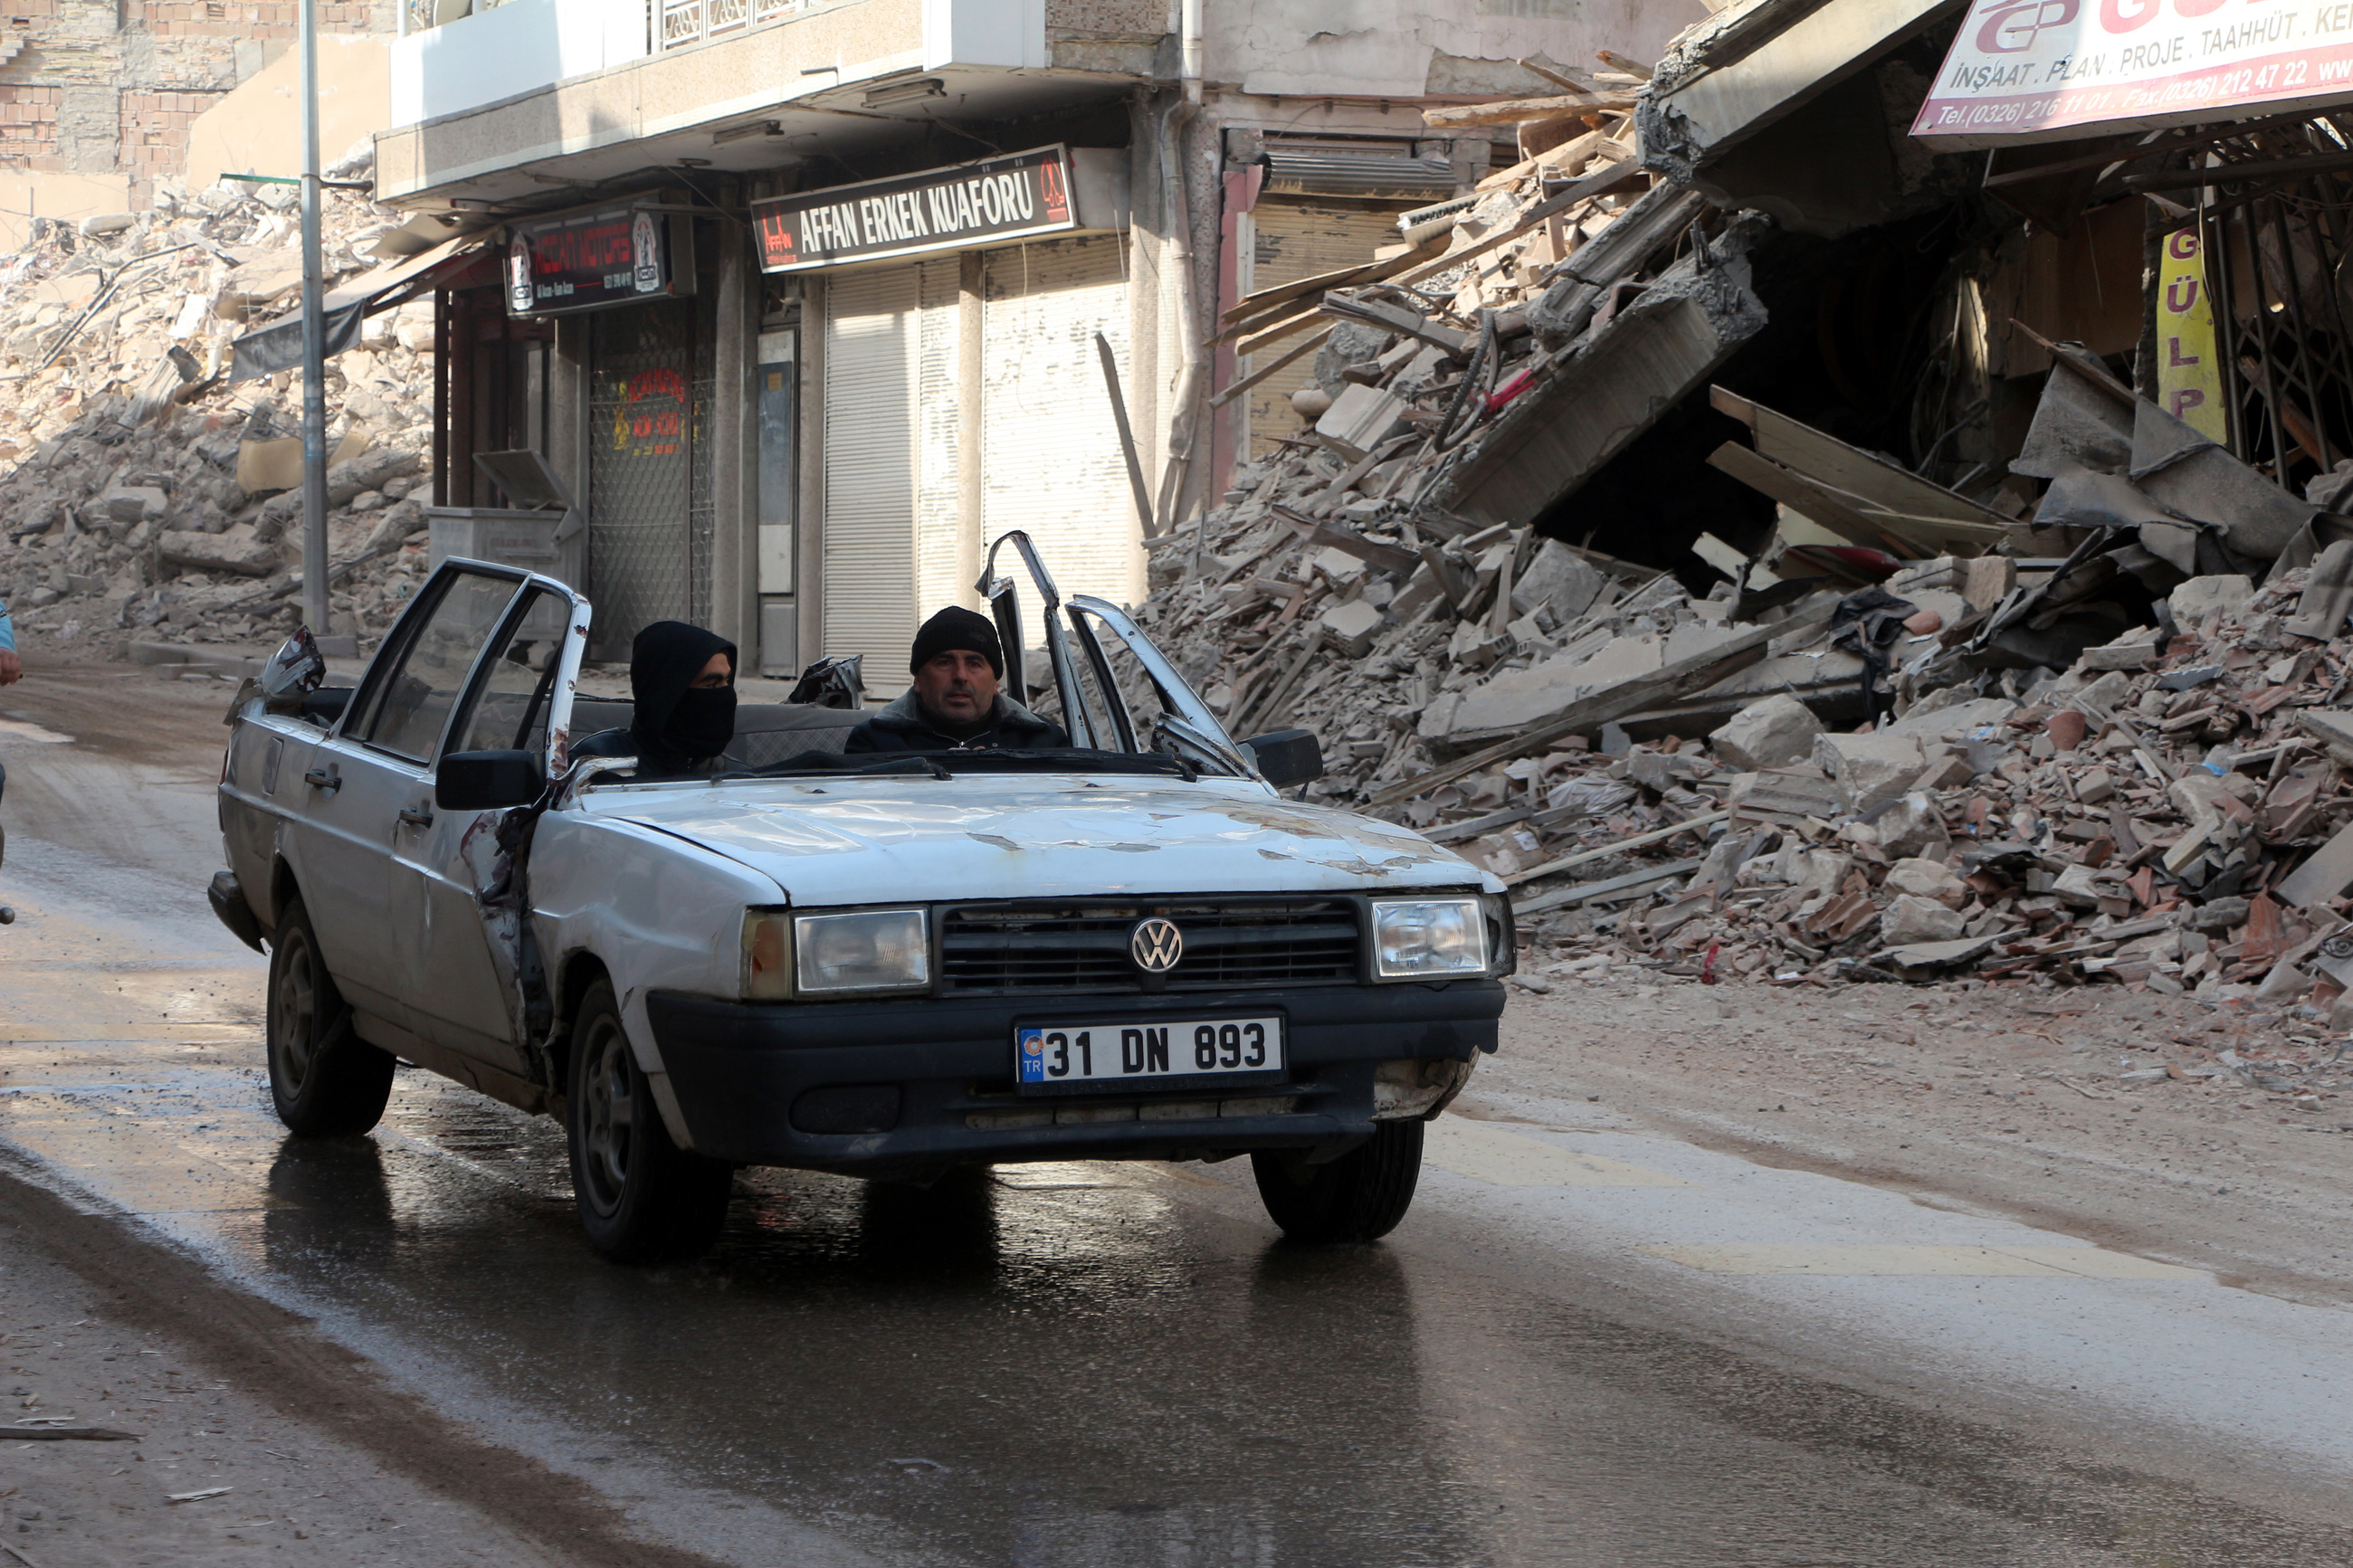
{"type": "Point", "coordinates": [959, 322]}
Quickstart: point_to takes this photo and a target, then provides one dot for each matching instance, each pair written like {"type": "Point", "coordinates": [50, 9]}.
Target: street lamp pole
{"type": "Point", "coordinates": [314, 358]}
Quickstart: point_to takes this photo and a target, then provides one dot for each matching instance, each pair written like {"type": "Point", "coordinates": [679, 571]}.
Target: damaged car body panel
{"type": "Point", "coordinates": [1133, 949]}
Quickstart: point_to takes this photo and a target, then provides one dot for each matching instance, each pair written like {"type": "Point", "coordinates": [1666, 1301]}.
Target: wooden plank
{"type": "Point", "coordinates": [1681, 678]}
{"type": "Point", "coordinates": [1701, 823]}
{"type": "Point", "coordinates": [1801, 495]}
{"type": "Point", "coordinates": [1592, 184]}
{"type": "Point", "coordinates": [1566, 156]}
{"type": "Point", "coordinates": [1830, 461]}
{"type": "Point", "coordinates": [1456, 832]}
{"type": "Point", "coordinates": [1304, 346]}
{"type": "Point", "coordinates": [1390, 558]}
{"type": "Point", "coordinates": [1511, 110]}
{"type": "Point", "coordinates": [1382, 316]}
{"type": "Point", "coordinates": [1282, 293]}
{"type": "Point", "coordinates": [1261, 337]}
{"type": "Point", "coordinates": [1585, 892]}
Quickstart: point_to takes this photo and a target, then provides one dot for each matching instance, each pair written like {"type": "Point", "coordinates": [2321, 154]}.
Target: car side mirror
{"type": "Point", "coordinates": [1288, 757]}
{"type": "Point", "coordinates": [488, 781]}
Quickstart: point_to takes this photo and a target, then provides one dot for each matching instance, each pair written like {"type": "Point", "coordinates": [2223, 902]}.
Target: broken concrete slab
{"type": "Point", "coordinates": [135, 504]}
{"type": "Point", "coordinates": [1925, 879]}
{"type": "Point", "coordinates": [1913, 826]}
{"type": "Point", "coordinates": [2201, 596]}
{"type": "Point", "coordinates": [1909, 918]}
{"type": "Point", "coordinates": [1869, 769]}
{"type": "Point", "coordinates": [1976, 713]}
{"type": "Point", "coordinates": [1937, 955]}
{"type": "Point", "coordinates": [1351, 628]}
{"type": "Point", "coordinates": [1520, 697]}
{"type": "Point", "coordinates": [1359, 420]}
{"type": "Point", "coordinates": [1558, 579]}
{"type": "Point", "coordinates": [236, 548]}
{"type": "Point", "coordinates": [1772, 733]}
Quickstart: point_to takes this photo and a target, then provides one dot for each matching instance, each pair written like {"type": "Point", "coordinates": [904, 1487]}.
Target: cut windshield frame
{"type": "Point", "coordinates": [1184, 740]}
{"type": "Point", "coordinates": [1185, 728]}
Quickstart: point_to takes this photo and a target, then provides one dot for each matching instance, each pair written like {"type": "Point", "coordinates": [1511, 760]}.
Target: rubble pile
{"type": "Point", "coordinates": [2088, 738]}
{"type": "Point", "coordinates": [147, 497]}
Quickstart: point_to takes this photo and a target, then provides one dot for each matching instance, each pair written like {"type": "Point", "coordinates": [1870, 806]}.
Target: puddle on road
{"type": "Point", "coordinates": [1054, 1366]}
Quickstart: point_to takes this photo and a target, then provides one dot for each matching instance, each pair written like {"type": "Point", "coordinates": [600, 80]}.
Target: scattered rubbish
{"type": "Point", "coordinates": [200, 1495]}
{"type": "Point", "coordinates": [44, 1431]}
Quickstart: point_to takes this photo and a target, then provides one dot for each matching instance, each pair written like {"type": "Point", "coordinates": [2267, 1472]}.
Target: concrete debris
{"type": "Point", "coordinates": [174, 519]}
{"type": "Point", "coordinates": [1676, 782]}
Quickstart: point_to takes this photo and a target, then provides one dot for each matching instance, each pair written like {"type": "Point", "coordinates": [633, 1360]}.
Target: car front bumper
{"type": "Point", "coordinates": [912, 1085]}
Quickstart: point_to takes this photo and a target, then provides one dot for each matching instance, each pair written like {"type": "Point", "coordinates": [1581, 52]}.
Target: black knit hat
{"type": "Point", "coordinates": [957, 628]}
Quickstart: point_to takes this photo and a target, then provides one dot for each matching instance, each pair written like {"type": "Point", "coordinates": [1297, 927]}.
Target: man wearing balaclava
{"type": "Point", "coordinates": [683, 681]}
{"type": "Point", "coordinates": [954, 704]}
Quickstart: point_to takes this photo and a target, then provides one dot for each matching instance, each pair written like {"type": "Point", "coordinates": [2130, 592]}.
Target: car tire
{"type": "Point", "coordinates": [1360, 1196]}
{"type": "Point", "coordinates": [642, 1199]}
{"type": "Point", "coordinates": [325, 1081]}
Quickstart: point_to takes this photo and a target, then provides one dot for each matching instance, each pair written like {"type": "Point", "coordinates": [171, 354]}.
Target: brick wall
{"type": "Point", "coordinates": [28, 126]}
{"type": "Point", "coordinates": [156, 129]}
{"type": "Point", "coordinates": [236, 18]}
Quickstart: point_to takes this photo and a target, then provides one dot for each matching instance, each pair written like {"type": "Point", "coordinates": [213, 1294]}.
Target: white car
{"type": "Point", "coordinates": [881, 964]}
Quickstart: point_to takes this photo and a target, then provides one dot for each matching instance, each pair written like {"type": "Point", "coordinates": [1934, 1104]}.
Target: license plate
{"type": "Point", "coordinates": [1152, 1055]}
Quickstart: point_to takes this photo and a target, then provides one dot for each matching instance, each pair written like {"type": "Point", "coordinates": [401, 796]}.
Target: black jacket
{"type": "Point", "coordinates": [902, 727]}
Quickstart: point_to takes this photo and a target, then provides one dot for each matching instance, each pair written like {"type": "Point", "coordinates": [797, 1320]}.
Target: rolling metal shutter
{"type": "Point", "coordinates": [940, 577]}
{"type": "Point", "coordinates": [889, 456]}
{"type": "Point", "coordinates": [1052, 450]}
{"type": "Point", "coordinates": [1290, 241]}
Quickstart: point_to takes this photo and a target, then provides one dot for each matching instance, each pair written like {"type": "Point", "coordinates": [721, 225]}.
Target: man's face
{"type": "Point", "coordinates": [956, 686]}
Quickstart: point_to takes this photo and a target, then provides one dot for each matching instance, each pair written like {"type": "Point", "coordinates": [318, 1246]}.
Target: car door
{"type": "Point", "coordinates": [364, 782]}
{"type": "Point", "coordinates": [461, 952]}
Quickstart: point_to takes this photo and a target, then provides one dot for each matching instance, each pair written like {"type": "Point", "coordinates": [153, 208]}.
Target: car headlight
{"type": "Point", "coordinates": [874, 950]}
{"type": "Point", "coordinates": [1428, 938]}
{"type": "Point", "coordinates": [787, 955]}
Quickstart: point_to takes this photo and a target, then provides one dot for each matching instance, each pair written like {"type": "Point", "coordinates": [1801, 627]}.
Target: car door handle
{"type": "Point", "coordinates": [323, 778]}
{"type": "Point", "coordinates": [417, 817]}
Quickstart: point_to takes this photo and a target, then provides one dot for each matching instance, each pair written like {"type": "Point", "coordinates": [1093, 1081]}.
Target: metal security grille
{"type": "Point", "coordinates": [1029, 948]}
{"type": "Point", "coordinates": [649, 482]}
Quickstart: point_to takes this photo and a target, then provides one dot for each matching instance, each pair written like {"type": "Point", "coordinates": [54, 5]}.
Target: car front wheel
{"type": "Point", "coordinates": [641, 1198]}
{"type": "Point", "coordinates": [1360, 1196]}
{"type": "Point", "coordinates": [325, 1081]}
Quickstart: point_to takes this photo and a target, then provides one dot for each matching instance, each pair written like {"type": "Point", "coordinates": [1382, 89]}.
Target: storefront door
{"type": "Point", "coordinates": [650, 513]}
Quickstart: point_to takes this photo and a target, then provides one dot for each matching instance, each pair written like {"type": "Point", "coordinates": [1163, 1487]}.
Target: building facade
{"type": "Point", "coordinates": [901, 265]}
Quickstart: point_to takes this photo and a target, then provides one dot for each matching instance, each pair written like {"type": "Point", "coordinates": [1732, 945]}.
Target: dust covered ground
{"type": "Point", "coordinates": [2006, 1098]}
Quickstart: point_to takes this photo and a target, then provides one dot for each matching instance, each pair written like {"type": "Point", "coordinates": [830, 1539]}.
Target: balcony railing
{"type": "Point", "coordinates": [684, 22]}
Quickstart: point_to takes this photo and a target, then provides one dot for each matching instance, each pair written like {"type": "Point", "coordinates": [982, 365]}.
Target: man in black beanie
{"type": "Point", "coordinates": [953, 704]}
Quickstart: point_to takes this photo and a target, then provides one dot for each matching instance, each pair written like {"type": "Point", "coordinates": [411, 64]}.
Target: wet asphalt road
{"type": "Point", "coordinates": [1081, 1364]}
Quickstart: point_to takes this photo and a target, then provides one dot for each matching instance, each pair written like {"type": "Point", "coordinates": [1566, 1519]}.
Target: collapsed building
{"type": "Point", "coordinates": [1804, 533]}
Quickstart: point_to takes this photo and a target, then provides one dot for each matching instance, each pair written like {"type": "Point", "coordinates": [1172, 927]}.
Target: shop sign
{"type": "Point", "coordinates": [2189, 366]}
{"type": "Point", "coordinates": [939, 209]}
{"type": "Point", "coordinates": [586, 262]}
{"type": "Point", "coordinates": [2044, 71]}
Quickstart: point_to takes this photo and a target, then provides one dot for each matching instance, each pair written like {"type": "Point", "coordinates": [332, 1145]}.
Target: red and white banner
{"type": "Point", "coordinates": [2049, 70]}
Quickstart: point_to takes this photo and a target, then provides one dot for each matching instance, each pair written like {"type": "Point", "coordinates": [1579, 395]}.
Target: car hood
{"type": "Point", "coordinates": [858, 841]}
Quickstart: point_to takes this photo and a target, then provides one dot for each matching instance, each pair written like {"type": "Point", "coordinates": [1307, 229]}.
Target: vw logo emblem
{"type": "Point", "coordinates": [1155, 944]}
